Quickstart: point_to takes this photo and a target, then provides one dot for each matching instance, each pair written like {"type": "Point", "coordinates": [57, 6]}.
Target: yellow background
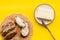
{"type": "Point", "coordinates": [27, 7]}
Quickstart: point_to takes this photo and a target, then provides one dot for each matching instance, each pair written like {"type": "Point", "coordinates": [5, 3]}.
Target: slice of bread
{"type": "Point", "coordinates": [14, 31]}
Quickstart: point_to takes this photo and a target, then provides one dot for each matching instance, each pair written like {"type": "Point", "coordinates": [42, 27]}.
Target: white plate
{"type": "Point", "coordinates": [44, 11]}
